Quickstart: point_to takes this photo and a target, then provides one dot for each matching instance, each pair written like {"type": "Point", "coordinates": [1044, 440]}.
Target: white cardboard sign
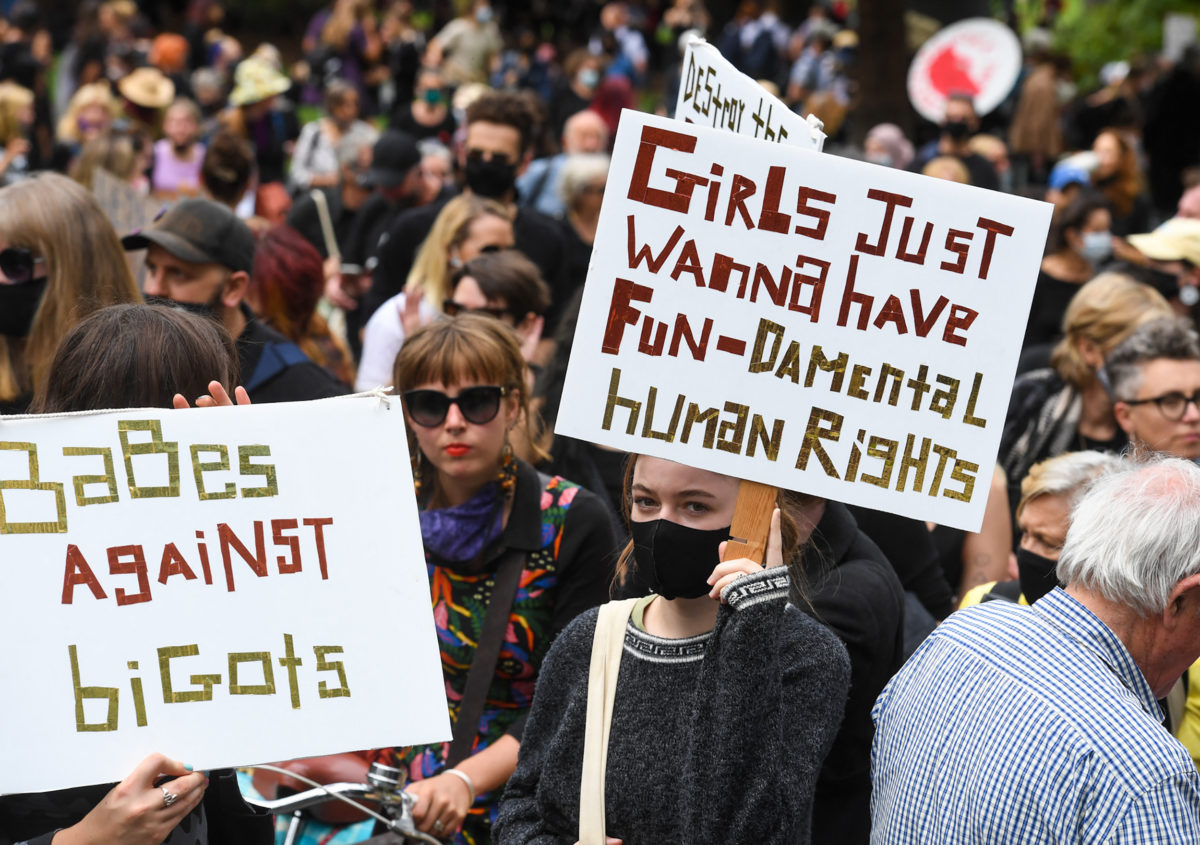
{"type": "Point", "coordinates": [807, 321]}
{"type": "Point", "coordinates": [227, 586]}
{"type": "Point", "coordinates": [712, 92]}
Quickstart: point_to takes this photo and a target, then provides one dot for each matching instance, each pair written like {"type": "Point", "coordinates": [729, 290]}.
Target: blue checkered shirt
{"type": "Point", "coordinates": [1020, 724]}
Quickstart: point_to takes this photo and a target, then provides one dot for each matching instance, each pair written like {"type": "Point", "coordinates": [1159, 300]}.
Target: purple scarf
{"type": "Point", "coordinates": [459, 534]}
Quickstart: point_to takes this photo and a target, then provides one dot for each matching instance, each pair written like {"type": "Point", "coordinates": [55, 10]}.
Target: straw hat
{"type": "Point", "coordinates": [147, 87]}
{"type": "Point", "coordinates": [255, 80]}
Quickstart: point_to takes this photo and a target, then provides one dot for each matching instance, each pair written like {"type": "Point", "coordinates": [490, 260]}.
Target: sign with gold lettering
{"type": "Point", "coordinates": [712, 92]}
{"type": "Point", "coordinates": [802, 320]}
{"type": "Point", "coordinates": [203, 583]}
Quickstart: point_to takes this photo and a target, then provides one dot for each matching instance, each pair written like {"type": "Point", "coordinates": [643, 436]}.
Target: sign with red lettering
{"type": "Point", "coordinates": [712, 92]}
{"type": "Point", "coordinates": [803, 320]}
{"type": "Point", "coordinates": [978, 57]}
{"type": "Point", "coordinates": [201, 583]}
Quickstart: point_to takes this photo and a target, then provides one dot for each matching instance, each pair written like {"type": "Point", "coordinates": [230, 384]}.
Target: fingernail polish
{"type": "Point", "coordinates": [189, 768]}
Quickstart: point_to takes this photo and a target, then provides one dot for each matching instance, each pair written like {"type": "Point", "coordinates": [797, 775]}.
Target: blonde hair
{"type": "Point", "coordinates": [60, 222]}
{"type": "Point", "coordinates": [93, 94]}
{"type": "Point", "coordinates": [13, 98]}
{"type": "Point", "coordinates": [114, 152]}
{"type": "Point", "coordinates": [948, 168]}
{"type": "Point", "coordinates": [1067, 474]}
{"type": "Point", "coordinates": [1103, 312]}
{"type": "Point", "coordinates": [430, 274]}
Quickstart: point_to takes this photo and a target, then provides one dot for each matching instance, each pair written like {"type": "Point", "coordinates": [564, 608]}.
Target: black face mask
{"type": "Point", "coordinates": [200, 309]}
{"type": "Point", "coordinates": [1036, 573]}
{"type": "Point", "coordinates": [18, 305]}
{"type": "Point", "coordinates": [676, 560]}
{"type": "Point", "coordinates": [490, 179]}
{"type": "Point", "coordinates": [957, 129]}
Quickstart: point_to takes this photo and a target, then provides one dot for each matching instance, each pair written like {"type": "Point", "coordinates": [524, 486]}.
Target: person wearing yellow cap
{"type": "Point", "coordinates": [256, 114]}
{"type": "Point", "coordinates": [1174, 248]}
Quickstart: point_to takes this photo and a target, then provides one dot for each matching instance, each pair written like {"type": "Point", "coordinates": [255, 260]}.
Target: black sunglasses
{"type": "Point", "coordinates": [17, 263]}
{"type": "Point", "coordinates": [478, 405]}
{"type": "Point", "coordinates": [453, 309]}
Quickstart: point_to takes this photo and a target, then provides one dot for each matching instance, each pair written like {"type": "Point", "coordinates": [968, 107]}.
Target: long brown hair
{"type": "Point", "coordinates": [465, 348]}
{"type": "Point", "coordinates": [138, 356]}
{"type": "Point", "coordinates": [1126, 183]}
{"type": "Point", "coordinates": [61, 222]}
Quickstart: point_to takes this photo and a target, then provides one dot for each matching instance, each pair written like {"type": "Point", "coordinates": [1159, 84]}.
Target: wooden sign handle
{"type": "Point", "coordinates": [751, 522]}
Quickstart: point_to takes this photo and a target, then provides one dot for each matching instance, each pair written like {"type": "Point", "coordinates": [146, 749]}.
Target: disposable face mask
{"type": "Point", "coordinates": [674, 559]}
{"type": "Point", "coordinates": [1097, 246]}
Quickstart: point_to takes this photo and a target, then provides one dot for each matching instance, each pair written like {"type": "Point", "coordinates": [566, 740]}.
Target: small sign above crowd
{"type": "Point", "coordinates": [714, 93]}
{"type": "Point", "coordinates": [178, 581]}
{"type": "Point", "coordinates": [806, 321]}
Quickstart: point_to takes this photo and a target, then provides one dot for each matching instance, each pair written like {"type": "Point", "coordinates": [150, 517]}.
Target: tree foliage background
{"type": "Point", "coordinates": [1093, 32]}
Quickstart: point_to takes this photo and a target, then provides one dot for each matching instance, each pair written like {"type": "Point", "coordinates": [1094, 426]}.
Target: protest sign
{"type": "Point", "coordinates": [802, 320]}
{"type": "Point", "coordinates": [978, 57]}
{"type": "Point", "coordinates": [224, 585]}
{"type": "Point", "coordinates": [712, 92]}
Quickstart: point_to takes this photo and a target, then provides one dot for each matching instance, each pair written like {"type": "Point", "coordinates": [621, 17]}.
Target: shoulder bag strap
{"type": "Point", "coordinates": [607, 646]}
{"type": "Point", "coordinates": [483, 664]}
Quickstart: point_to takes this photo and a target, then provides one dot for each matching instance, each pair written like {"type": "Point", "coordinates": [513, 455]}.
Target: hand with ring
{"type": "Point", "coordinates": [137, 811]}
{"type": "Point", "coordinates": [728, 571]}
{"type": "Point", "coordinates": [442, 804]}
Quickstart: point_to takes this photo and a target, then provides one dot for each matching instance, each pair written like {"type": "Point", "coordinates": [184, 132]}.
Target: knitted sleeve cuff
{"type": "Point", "coordinates": [756, 588]}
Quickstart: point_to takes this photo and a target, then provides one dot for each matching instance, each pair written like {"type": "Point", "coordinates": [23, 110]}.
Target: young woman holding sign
{"type": "Point", "coordinates": [513, 556]}
{"type": "Point", "coordinates": [727, 697]}
{"type": "Point", "coordinates": [139, 356]}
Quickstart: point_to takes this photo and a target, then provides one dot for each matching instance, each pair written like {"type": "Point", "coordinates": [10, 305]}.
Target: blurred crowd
{"type": "Point", "coordinates": [328, 199]}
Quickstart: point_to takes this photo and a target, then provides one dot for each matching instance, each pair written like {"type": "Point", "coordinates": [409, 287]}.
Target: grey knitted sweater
{"type": "Point", "coordinates": [715, 740]}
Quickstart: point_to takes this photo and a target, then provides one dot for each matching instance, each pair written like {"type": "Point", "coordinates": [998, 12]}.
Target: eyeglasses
{"type": "Point", "coordinates": [17, 264]}
{"type": "Point", "coordinates": [453, 309]}
{"type": "Point", "coordinates": [1171, 405]}
{"type": "Point", "coordinates": [478, 405]}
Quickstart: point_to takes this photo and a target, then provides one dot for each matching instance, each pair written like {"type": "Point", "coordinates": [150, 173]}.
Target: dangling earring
{"type": "Point", "coordinates": [507, 476]}
{"type": "Point", "coordinates": [416, 473]}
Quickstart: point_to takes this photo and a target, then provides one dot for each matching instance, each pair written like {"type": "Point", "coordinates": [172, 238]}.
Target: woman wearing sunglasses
{"type": "Point", "coordinates": [60, 260]}
{"type": "Point", "coordinates": [513, 556]}
{"type": "Point", "coordinates": [727, 698]}
{"type": "Point", "coordinates": [466, 226]}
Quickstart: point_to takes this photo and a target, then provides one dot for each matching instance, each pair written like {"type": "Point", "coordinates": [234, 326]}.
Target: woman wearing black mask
{"type": "Point", "coordinates": [60, 260]}
{"type": "Point", "coordinates": [728, 697]}
{"type": "Point", "coordinates": [1048, 493]}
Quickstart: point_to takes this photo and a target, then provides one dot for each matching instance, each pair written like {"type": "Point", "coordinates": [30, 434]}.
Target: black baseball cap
{"type": "Point", "coordinates": [199, 231]}
{"type": "Point", "coordinates": [394, 155]}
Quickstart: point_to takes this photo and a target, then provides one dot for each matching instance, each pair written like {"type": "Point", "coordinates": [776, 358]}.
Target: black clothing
{"type": "Point", "coordinates": [910, 549]}
{"type": "Point", "coordinates": [293, 382]}
{"type": "Point", "coordinates": [306, 220]}
{"type": "Point", "coordinates": [853, 591]}
{"type": "Point", "coordinates": [534, 234]}
{"type": "Point", "coordinates": [443, 132]}
{"type": "Point", "coordinates": [35, 817]}
{"type": "Point", "coordinates": [1050, 300]}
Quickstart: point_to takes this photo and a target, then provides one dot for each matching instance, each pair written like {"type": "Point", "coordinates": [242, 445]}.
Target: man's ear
{"type": "Point", "coordinates": [1183, 601]}
{"type": "Point", "coordinates": [235, 289]}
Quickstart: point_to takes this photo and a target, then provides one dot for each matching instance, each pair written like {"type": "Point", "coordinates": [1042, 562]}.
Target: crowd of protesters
{"type": "Point", "coordinates": [409, 197]}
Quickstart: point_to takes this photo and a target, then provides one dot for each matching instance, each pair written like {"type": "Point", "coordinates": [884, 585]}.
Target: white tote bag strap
{"type": "Point", "coordinates": [607, 645]}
